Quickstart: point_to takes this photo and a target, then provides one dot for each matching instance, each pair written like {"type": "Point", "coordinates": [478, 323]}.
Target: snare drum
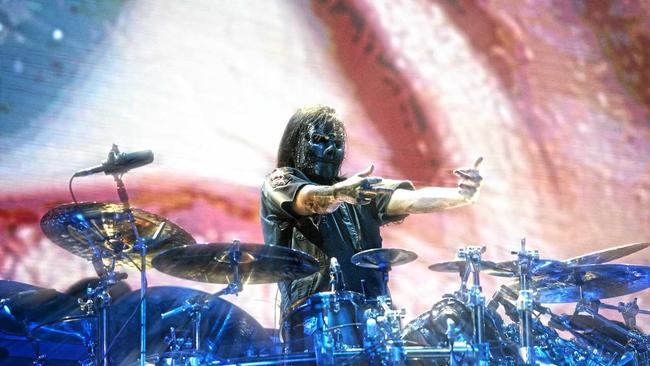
{"type": "Point", "coordinates": [327, 320]}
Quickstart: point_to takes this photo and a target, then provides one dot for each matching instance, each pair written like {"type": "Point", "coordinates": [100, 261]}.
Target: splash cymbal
{"type": "Point", "coordinates": [382, 258]}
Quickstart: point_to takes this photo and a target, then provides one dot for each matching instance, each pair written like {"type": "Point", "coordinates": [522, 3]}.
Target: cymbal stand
{"type": "Point", "coordinates": [196, 306]}
{"type": "Point", "coordinates": [476, 300]}
{"type": "Point", "coordinates": [463, 292]}
{"type": "Point", "coordinates": [525, 303]}
{"type": "Point", "coordinates": [98, 299]}
{"type": "Point", "coordinates": [384, 327]}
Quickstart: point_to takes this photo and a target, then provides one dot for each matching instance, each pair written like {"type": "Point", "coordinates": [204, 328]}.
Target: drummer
{"type": "Point", "coordinates": [307, 205]}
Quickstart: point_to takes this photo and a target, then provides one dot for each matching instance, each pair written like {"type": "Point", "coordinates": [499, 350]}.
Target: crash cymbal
{"type": "Point", "coordinates": [607, 254]}
{"type": "Point", "coordinates": [458, 266]}
{"type": "Point", "coordinates": [74, 226]}
{"type": "Point", "coordinates": [258, 263]}
{"type": "Point", "coordinates": [382, 258]}
{"type": "Point", "coordinates": [593, 282]}
{"type": "Point", "coordinates": [226, 330]}
{"type": "Point", "coordinates": [538, 267]}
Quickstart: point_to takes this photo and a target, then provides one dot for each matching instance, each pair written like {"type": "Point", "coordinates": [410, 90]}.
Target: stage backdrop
{"type": "Point", "coordinates": [553, 94]}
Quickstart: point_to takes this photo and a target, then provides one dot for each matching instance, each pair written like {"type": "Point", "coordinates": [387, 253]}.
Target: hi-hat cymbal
{"type": "Point", "coordinates": [382, 258]}
{"type": "Point", "coordinates": [590, 282]}
{"type": "Point", "coordinates": [607, 254]}
{"type": "Point", "coordinates": [74, 227]}
{"type": "Point", "coordinates": [258, 263]}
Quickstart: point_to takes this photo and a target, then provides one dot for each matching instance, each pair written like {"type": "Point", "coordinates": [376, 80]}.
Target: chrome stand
{"type": "Point", "coordinates": [525, 303]}
{"type": "Point", "coordinates": [476, 300]}
{"type": "Point", "coordinates": [196, 306]}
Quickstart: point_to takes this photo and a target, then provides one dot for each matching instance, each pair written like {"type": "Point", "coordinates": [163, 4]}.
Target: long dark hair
{"type": "Point", "coordinates": [298, 126]}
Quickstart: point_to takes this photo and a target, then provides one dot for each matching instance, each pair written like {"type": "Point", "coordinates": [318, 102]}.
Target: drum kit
{"type": "Point", "coordinates": [179, 326]}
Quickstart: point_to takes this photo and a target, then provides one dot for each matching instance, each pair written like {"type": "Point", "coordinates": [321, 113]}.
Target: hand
{"type": "Point", "coordinates": [469, 181]}
{"type": "Point", "coordinates": [359, 189]}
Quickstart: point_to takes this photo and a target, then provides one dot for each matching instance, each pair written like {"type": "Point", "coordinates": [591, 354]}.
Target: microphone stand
{"type": "Point", "coordinates": [140, 244]}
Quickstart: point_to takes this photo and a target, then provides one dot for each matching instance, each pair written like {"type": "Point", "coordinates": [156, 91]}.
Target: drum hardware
{"type": "Point", "coordinates": [79, 237]}
{"type": "Point", "coordinates": [195, 307]}
{"type": "Point", "coordinates": [383, 259]}
{"type": "Point", "coordinates": [141, 244]}
{"type": "Point", "coordinates": [525, 260]}
{"type": "Point", "coordinates": [352, 328]}
{"type": "Point", "coordinates": [384, 322]}
{"type": "Point", "coordinates": [591, 308]}
{"type": "Point", "coordinates": [337, 281]}
{"type": "Point", "coordinates": [629, 311]}
{"type": "Point", "coordinates": [475, 300]}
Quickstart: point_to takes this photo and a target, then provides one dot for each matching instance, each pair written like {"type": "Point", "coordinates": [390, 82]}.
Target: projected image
{"type": "Point", "coordinates": [454, 158]}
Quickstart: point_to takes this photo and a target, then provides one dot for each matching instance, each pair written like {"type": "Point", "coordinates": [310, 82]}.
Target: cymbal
{"type": "Point", "coordinates": [258, 264]}
{"type": "Point", "coordinates": [538, 267]}
{"type": "Point", "coordinates": [382, 258]}
{"type": "Point", "coordinates": [72, 226]}
{"type": "Point", "coordinates": [592, 281]}
{"type": "Point", "coordinates": [458, 266]}
{"type": "Point", "coordinates": [607, 254]}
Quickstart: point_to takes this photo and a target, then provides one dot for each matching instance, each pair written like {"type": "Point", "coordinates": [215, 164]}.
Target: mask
{"type": "Point", "coordinates": [320, 154]}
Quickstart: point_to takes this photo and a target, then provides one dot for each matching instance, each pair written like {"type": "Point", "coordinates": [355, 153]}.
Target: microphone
{"type": "Point", "coordinates": [119, 163]}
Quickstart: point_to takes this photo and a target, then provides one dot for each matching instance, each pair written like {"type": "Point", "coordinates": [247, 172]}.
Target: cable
{"type": "Point", "coordinates": [74, 199]}
{"type": "Point", "coordinates": [119, 333]}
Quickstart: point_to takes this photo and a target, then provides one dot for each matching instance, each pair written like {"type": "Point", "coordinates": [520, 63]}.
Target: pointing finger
{"type": "Point", "coordinates": [478, 162]}
{"type": "Point", "coordinates": [366, 172]}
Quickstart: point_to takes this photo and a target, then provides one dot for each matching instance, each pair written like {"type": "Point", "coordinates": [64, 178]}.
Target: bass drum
{"type": "Point", "coordinates": [226, 330]}
{"type": "Point", "coordinates": [430, 328]}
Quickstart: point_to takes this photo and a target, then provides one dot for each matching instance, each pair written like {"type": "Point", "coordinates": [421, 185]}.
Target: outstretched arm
{"type": "Point", "coordinates": [317, 199]}
{"type": "Point", "coordinates": [431, 199]}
